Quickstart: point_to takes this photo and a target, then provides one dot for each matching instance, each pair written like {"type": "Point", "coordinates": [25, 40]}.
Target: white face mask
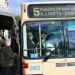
{"type": "Point", "coordinates": [8, 42]}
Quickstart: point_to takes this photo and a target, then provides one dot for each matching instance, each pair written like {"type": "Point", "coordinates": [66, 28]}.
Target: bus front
{"type": "Point", "coordinates": [48, 39]}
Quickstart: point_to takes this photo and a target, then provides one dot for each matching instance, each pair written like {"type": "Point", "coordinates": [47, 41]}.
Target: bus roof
{"type": "Point", "coordinates": [51, 2]}
{"type": "Point", "coordinates": [5, 12]}
{"type": "Point", "coordinates": [6, 18]}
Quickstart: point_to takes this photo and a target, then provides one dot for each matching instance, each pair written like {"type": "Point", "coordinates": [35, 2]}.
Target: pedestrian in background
{"type": "Point", "coordinates": [7, 57]}
{"type": "Point", "coordinates": [14, 46]}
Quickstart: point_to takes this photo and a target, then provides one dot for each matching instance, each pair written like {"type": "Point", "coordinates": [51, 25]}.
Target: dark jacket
{"type": "Point", "coordinates": [15, 47]}
{"type": "Point", "coordinates": [30, 44]}
{"type": "Point", "coordinates": [7, 57]}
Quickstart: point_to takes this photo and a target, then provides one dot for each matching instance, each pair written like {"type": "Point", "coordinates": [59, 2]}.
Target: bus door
{"type": "Point", "coordinates": [32, 61]}
{"type": "Point", "coordinates": [63, 60]}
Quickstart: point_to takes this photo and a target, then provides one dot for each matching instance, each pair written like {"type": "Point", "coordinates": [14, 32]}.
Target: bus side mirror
{"type": "Point", "coordinates": [47, 56]}
{"type": "Point", "coordinates": [50, 48]}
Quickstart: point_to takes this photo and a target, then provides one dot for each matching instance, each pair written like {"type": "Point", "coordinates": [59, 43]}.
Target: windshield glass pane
{"type": "Point", "coordinates": [44, 38]}
{"type": "Point", "coordinates": [71, 38]}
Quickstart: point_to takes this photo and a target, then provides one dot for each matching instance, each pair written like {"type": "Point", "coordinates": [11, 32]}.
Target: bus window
{"type": "Point", "coordinates": [43, 37]}
{"type": "Point", "coordinates": [32, 40]}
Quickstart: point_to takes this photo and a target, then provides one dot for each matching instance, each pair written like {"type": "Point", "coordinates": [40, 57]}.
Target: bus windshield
{"type": "Point", "coordinates": [49, 37]}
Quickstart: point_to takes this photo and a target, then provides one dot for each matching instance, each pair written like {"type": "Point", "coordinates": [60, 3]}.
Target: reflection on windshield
{"type": "Point", "coordinates": [48, 36]}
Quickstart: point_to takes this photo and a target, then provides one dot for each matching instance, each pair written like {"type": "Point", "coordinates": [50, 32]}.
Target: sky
{"type": "Point", "coordinates": [15, 5]}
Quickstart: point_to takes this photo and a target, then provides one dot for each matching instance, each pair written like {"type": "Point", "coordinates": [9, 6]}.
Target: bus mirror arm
{"type": "Point", "coordinates": [48, 53]}
{"type": "Point", "coordinates": [47, 56]}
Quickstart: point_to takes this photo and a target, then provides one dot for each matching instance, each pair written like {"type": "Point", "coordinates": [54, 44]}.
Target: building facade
{"type": "Point", "coordinates": [4, 3]}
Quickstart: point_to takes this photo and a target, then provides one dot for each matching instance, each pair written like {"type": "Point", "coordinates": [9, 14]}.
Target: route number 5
{"type": "Point", "coordinates": [36, 12]}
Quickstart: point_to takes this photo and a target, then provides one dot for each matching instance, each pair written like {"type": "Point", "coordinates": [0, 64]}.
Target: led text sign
{"type": "Point", "coordinates": [51, 10]}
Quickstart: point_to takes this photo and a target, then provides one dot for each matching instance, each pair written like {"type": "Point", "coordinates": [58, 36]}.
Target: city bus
{"type": "Point", "coordinates": [8, 25]}
{"type": "Point", "coordinates": [48, 38]}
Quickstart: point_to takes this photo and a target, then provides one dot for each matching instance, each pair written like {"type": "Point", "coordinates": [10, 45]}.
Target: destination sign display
{"type": "Point", "coordinates": [51, 10]}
